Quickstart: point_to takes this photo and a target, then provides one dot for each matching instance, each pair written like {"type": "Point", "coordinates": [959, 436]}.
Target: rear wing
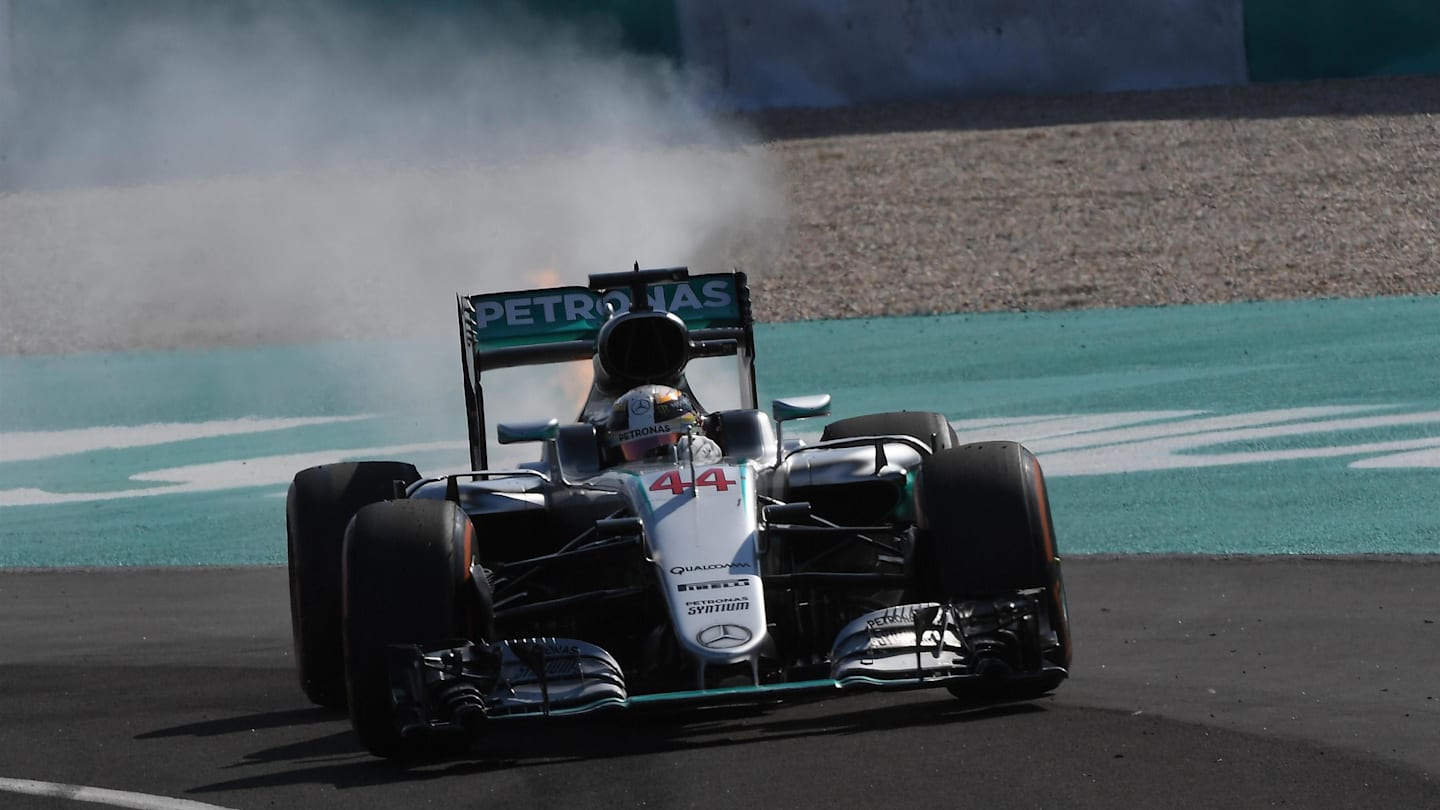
{"type": "Point", "coordinates": [559, 324]}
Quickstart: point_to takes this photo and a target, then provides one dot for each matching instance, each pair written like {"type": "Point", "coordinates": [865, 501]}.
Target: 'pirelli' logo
{"type": "Point", "coordinates": [713, 585]}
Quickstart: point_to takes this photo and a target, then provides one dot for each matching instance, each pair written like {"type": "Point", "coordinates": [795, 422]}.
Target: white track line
{"type": "Point", "coordinates": [113, 798]}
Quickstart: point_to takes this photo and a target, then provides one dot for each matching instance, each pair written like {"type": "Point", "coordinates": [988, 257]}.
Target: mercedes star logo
{"type": "Point", "coordinates": [723, 636]}
{"type": "Point", "coordinates": [638, 406]}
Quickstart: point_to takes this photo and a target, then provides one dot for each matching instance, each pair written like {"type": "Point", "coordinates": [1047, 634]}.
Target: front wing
{"type": "Point", "coordinates": [448, 685]}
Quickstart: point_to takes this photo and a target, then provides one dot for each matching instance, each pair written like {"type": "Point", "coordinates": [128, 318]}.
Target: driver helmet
{"type": "Point", "coordinates": [648, 421]}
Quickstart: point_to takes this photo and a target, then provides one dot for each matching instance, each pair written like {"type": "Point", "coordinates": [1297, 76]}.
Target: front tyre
{"type": "Point", "coordinates": [320, 503]}
{"type": "Point", "coordinates": [406, 580]}
{"type": "Point", "coordinates": [985, 531]}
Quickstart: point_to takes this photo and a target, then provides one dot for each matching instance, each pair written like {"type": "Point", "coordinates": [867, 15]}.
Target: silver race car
{"type": "Point", "coordinates": [660, 554]}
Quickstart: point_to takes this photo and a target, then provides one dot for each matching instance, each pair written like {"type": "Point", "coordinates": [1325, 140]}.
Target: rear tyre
{"type": "Point", "coordinates": [320, 504]}
{"type": "Point", "coordinates": [985, 531]}
{"type": "Point", "coordinates": [406, 580]}
{"type": "Point", "coordinates": [931, 428]}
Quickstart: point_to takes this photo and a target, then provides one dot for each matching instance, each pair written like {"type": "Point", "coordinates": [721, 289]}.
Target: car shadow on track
{"type": "Point", "coordinates": [246, 722]}
{"type": "Point", "coordinates": [336, 759]}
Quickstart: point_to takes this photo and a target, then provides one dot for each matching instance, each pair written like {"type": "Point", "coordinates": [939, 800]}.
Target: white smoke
{"type": "Point", "coordinates": [316, 175]}
{"type": "Point", "coordinates": [306, 174]}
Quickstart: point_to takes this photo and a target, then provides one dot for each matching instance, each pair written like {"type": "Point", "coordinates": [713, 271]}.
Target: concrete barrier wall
{"type": "Point", "coordinates": [1321, 39]}
{"type": "Point", "coordinates": [786, 53]}
{"type": "Point", "coordinates": [9, 96]}
{"type": "Point", "coordinates": [761, 53]}
{"type": "Point", "coordinates": [644, 26]}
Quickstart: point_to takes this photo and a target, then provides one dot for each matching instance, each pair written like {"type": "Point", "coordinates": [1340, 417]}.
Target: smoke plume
{"type": "Point", "coordinates": [305, 172]}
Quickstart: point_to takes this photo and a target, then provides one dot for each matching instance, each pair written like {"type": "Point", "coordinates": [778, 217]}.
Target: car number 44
{"type": "Point", "coordinates": [675, 485]}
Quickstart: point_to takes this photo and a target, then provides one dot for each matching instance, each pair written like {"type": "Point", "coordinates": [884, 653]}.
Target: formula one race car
{"type": "Point", "coordinates": [658, 554]}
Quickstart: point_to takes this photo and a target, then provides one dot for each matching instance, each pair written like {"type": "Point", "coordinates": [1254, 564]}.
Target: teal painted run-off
{"type": "Point", "coordinates": [1260, 428]}
{"type": "Point", "coordinates": [1288, 40]}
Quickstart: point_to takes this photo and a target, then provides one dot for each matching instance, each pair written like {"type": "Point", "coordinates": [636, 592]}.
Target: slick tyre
{"type": "Point", "coordinates": [983, 516]}
{"type": "Point", "coordinates": [930, 428]}
{"type": "Point", "coordinates": [406, 580]}
{"type": "Point", "coordinates": [320, 504]}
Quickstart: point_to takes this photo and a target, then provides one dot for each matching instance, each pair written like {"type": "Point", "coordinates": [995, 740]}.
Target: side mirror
{"type": "Point", "coordinates": [800, 407]}
{"type": "Point", "coordinates": [519, 432]}
{"type": "Point", "coordinates": [610, 528]}
{"type": "Point", "coordinates": [797, 408]}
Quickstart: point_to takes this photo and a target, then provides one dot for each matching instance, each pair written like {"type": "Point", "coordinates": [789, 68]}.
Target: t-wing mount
{"type": "Point", "coordinates": [637, 280]}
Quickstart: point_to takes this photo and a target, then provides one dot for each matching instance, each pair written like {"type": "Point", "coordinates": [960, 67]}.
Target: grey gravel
{"type": "Point", "coordinates": [1219, 195]}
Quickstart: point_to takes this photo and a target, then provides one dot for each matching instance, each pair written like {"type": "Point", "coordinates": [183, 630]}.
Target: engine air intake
{"type": "Point", "coordinates": [644, 347]}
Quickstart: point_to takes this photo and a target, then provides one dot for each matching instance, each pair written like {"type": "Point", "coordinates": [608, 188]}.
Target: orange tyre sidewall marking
{"type": "Point", "coordinates": [467, 617]}
{"type": "Point", "coordinates": [1052, 559]}
{"type": "Point", "coordinates": [469, 541]}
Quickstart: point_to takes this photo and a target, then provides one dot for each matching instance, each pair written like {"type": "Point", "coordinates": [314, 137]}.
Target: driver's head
{"type": "Point", "coordinates": [648, 421]}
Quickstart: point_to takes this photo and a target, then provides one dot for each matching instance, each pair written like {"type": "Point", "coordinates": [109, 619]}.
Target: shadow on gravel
{"type": "Point", "coordinates": [1333, 98]}
{"type": "Point", "coordinates": [519, 744]}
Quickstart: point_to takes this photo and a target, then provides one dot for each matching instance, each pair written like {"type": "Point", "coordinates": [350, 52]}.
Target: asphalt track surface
{"type": "Point", "coordinates": [1199, 682]}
